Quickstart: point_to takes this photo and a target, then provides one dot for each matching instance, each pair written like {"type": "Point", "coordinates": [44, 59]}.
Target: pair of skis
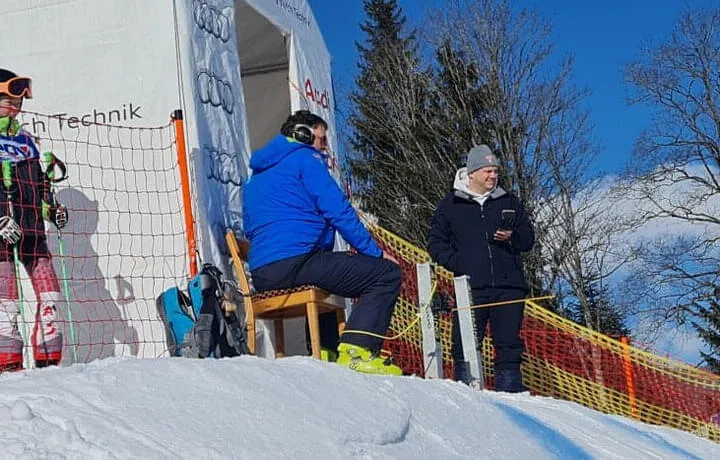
{"type": "Point", "coordinates": [53, 166]}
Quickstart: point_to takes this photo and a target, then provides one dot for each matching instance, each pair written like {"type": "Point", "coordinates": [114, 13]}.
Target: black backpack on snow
{"type": "Point", "coordinates": [208, 321]}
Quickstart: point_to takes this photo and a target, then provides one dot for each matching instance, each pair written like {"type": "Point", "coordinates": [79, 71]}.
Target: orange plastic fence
{"type": "Point", "coordinates": [565, 360]}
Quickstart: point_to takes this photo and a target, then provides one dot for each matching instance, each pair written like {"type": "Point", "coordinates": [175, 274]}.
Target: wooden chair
{"type": "Point", "coordinates": [278, 305]}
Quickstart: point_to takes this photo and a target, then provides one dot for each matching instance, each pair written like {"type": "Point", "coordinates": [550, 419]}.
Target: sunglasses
{"type": "Point", "coordinates": [17, 87]}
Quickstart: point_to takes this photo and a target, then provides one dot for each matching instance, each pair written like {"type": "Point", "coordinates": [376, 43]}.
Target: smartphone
{"type": "Point", "coordinates": [508, 219]}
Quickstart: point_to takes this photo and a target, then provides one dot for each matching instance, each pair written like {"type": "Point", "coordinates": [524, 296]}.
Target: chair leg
{"type": "Point", "coordinates": [279, 339]}
{"type": "Point", "coordinates": [314, 326]}
{"type": "Point", "coordinates": [340, 322]}
{"type": "Point", "coordinates": [251, 331]}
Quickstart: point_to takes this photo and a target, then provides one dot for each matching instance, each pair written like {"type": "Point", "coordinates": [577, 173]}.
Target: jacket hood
{"type": "Point", "coordinates": [462, 189]}
{"type": "Point", "coordinates": [274, 152]}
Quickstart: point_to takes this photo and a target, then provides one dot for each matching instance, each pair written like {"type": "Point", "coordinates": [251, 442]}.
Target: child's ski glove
{"type": "Point", "coordinates": [9, 230]}
{"type": "Point", "coordinates": [57, 214]}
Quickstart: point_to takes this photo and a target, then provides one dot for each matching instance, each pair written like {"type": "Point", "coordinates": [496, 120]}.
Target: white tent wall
{"type": "Point", "coordinates": [89, 56]}
{"type": "Point", "coordinates": [103, 61]}
{"type": "Point", "coordinates": [215, 120]}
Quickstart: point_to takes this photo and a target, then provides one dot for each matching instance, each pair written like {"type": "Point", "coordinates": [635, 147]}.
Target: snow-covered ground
{"type": "Point", "coordinates": [252, 408]}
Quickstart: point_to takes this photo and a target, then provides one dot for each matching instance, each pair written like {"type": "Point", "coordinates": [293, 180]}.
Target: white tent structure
{"type": "Point", "coordinates": [236, 68]}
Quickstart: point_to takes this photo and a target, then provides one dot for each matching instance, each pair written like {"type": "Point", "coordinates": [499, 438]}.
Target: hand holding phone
{"type": "Point", "coordinates": [508, 219]}
{"type": "Point", "coordinates": [504, 232]}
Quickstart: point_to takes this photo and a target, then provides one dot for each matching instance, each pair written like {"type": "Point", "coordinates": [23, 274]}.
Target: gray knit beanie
{"type": "Point", "coordinates": [479, 157]}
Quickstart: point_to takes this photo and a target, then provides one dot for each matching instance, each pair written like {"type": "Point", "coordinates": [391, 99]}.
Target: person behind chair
{"type": "Point", "coordinates": [292, 208]}
{"type": "Point", "coordinates": [479, 229]}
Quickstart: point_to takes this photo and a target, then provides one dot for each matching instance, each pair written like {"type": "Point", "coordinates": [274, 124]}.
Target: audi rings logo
{"type": "Point", "coordinates": [211, 20]}
{"type": "Point", "coordinates": [222, 166]}
{"type": "Point", "coordinates": [215, 91]}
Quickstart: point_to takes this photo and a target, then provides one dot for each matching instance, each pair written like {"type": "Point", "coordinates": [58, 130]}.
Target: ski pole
{"type": "Point", "coordinates": [51, 162]}
{"type": "Point", "coordinates": [7, 175]}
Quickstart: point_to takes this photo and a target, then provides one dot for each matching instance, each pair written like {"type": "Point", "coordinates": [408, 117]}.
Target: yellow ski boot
{"type": "Point", "coordinates": [363, 360]}
{"type": "Point", "coordinates": [326, 354]}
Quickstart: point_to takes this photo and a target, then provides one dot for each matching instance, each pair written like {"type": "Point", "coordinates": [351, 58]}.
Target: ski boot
{"type": "Point", "coordinates": [509, 381]}
{"type": "Point", "coordinates": [12, 367]}
{"type": "Point", "coordinates": [39, 363]}
{"type": "Point", "coordinates": [328, 355]}
{"type": "Point", "coordinates": [361, 359]}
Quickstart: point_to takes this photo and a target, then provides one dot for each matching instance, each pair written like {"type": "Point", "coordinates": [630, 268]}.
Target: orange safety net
{"type": "Point", "coordinates": [563, 359]}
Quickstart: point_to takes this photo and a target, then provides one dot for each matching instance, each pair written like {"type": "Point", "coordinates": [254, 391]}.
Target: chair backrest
{"type": "Point", "coordinates": [239, 252]}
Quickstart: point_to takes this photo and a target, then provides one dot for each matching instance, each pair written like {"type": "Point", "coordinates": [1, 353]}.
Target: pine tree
{"type": "Point", "coordinates": [412, 125]}
{"type": "Point", "coordinates": [385, 44]}
{"type": "Point", "coordinates": [459, 104]}
{"type": "Point", "coordinates": [710, 331]}
{"type": "Point", "coordinates": [599, 313]}
{"type": "Point", "coordinates": [376, 162]}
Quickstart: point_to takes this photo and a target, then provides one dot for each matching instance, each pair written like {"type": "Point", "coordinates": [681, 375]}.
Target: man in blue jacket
{"type": "Point", "coordinates": [292, 207]}
{"type": "Point", "coordinates": [469, 236]}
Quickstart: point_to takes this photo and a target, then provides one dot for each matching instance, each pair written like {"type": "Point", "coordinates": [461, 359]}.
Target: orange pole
{"type": "Point", "coordinates": [629, 376]}
{"type": "Point", "coordinates": [177, 118]}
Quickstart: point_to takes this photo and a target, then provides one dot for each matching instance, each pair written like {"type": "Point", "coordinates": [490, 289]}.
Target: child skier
{"type": "Point", "coordinates": [25, 202]}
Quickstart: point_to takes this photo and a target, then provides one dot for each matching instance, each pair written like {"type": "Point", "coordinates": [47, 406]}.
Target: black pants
{"type": "Point", "coordinates": [505, 324]}
{"type": "Point", "coordinates": [31, 247]}
{"type": "Point", "coordinates": [374, 282]}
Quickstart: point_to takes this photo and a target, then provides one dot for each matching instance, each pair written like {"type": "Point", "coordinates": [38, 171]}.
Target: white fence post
{"type": "Point", "coordinates": [467, 331]}
{"type": "Point", "coordinates": [432, 354]}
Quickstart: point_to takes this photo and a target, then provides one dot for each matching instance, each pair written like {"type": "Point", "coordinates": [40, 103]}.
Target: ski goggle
{"type": "Point", "coordinates": [17, 87]}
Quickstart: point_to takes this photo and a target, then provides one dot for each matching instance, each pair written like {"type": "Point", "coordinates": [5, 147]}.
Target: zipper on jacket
{"type": "Point", "coordinates": [489, 246]}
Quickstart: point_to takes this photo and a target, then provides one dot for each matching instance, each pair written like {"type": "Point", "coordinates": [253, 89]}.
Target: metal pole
{"type": "Point", "coordinates": [469, 341]}
{"type": "Point", "coordinates": [432, 354]}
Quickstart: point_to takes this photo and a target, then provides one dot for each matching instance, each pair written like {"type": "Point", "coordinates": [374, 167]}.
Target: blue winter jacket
{"type": "Point", "coordinates": [292, 205]}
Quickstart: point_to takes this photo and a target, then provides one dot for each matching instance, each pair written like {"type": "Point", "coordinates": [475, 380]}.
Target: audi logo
{"type": "Point", "coordinates": [211, 20]}
{"type": "Point", "coordinates": [223, 166]}
{"type": "Point", "coordinates": [215, 91]}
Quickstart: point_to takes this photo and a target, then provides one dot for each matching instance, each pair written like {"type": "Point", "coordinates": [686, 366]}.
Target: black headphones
{"type": "Point", "coordinates": [303, 134]}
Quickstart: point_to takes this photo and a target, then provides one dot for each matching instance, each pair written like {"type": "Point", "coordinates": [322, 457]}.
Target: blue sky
{"type": "Point", "coordinates": [603, 37]}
